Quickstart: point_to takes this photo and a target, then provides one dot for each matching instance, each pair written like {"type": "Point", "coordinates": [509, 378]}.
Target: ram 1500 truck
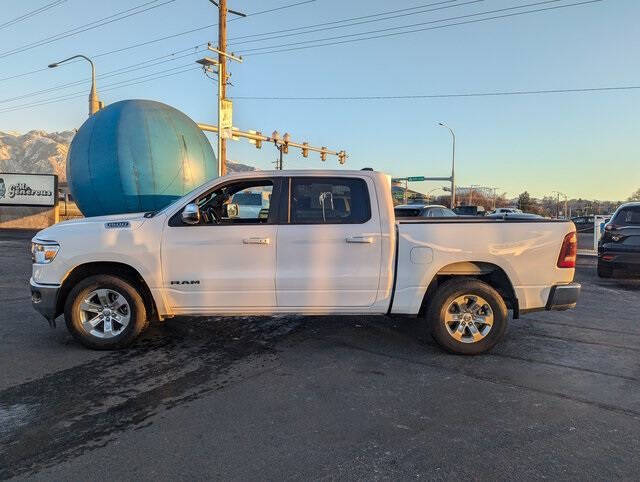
{"type": "Point", "coordinates": [325, 243]}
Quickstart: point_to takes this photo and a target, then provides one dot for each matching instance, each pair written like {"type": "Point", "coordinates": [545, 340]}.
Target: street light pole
{"type": "Point", "coordinates": [453, 164]}
{"type": "Point", "coordinates": [94, 102]}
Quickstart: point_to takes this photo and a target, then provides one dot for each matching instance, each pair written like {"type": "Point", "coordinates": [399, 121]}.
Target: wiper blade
{"type": "Point", "coordinates": [150, 214]}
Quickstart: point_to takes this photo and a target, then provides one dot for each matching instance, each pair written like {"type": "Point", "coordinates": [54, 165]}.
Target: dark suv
{"type": "Point", "coordinates": [619, 247]}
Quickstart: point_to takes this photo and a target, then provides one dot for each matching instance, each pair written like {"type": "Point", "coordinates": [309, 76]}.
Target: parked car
{"type": "Point", "coordinates": [423, 210]}
{"type": "Point", "coordinates": [506, 211]}
{"type": "Point", "coordinates": [328, 245]}
{"type": "Point", "coordinates": [619, 247]}
{"type": "Point", "coordinates": [519, 215]}
{"type": "Point", "coordinates": [469, 210]}
{"type": "Point", "coordinates": [584, 224]}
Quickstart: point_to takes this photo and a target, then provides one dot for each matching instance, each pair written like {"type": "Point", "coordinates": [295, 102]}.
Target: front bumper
{"type": "Point", "coordinates": [44, 299]}
{"type": "Point", "coordinates": [563, 297]}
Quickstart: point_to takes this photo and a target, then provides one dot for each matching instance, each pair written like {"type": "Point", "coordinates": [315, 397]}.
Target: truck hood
{"type": "Point", "coordinates": [94, 224]}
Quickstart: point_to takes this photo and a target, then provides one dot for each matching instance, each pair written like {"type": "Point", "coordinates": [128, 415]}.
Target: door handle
{"type": "Point", "coordinates": [360, 239]}
{"type": "Point", "coordinates": [256, 241]}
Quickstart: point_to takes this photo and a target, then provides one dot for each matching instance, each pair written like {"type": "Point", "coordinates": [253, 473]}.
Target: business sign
{"type": "Point", "coordinates": [28, 189]}
{"type": "Point", "coordinates": [410, 179]}
{"type": "Point", "coordinates": [226, 114]}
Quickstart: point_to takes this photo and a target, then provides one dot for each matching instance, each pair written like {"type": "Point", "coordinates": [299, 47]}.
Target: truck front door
{"type": "Point", "coordinates": [228, 259]}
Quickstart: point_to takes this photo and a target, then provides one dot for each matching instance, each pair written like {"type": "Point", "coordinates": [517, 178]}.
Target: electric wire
{"type": "Point", "coordinates": [299, 45]}
{"type": "Point", "coordinates": [441, 96]}
{"type": "Point", "coordinates": [123, 70]}
{"type": "Point", "coordinates": [598, 89]}
{"type": "Point", "coordinates": [109, 87]}
{"type": "Point", "coordinates": [197, 29]}
{"type": "Point", "coordinates": [32, 13]}
{"type": "Point", "coordinates": [295, 31]}
{"type": "Point", "coordinates": [84, 28]}
{"type": "Point", "coordinates": [159, 39]}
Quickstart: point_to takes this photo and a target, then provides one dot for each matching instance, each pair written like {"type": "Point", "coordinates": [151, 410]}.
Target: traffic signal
{"type": "Point", "coordinates": [323, 154]}
{"type": "Point", "coordinates": [285, 146]}
{"type": "Point", "coordinates": [255, 142]}
{"type": "Point", "coordinates": [342, 157]}
{"type": "Point", "coordinates": [305, 150]}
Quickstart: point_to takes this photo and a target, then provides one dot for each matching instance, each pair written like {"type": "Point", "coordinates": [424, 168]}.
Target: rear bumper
{"type": "Point", "coordinates": [563, 297]}
{"type": "Point", "coordinates": [44, 299]}
{"type": "Point", "coordinates": [624, 261]}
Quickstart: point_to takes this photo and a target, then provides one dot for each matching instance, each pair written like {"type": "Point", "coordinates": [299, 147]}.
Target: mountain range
{"type": "Point", "coordinates": [42, 152]}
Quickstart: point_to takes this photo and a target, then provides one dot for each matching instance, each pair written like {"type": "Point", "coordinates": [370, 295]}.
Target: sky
{"type": "Point", "coordinates": [584, 144]}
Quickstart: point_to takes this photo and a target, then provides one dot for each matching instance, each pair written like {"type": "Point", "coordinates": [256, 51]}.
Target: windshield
{"type": "Point", "coordinates": [151, 214]}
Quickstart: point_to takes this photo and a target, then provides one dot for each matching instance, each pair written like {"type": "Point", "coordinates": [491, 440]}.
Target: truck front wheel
{"type": "Point", "coordinates": [467, 316]}
{"type": "Point", "coordinates": [105, 312]}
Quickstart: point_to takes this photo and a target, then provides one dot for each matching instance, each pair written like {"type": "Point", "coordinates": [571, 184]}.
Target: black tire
{"type": "Point", "coordinates": [136, 310]}
{"type": "Point", "coordinates": [441, 302]}
{"type": "Point", "coordinates": [604, 271]}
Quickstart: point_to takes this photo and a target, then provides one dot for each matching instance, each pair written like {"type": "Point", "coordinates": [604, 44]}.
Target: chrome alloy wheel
{"type": "Point", "coordinates": [104, 313]}
{"type": "Point", "coordinates": [469, 318]}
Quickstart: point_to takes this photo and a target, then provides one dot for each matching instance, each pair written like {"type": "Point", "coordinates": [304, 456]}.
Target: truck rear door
{"type": "Point", "coordinates": [329, 247]}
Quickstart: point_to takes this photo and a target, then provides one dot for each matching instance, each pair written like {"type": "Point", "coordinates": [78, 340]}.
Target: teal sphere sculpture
{"type": "Point", "coordinates": [137, 155]}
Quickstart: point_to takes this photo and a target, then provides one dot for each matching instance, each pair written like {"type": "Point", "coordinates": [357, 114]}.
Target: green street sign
{"type": "Point", "coordinates": [415, 178]}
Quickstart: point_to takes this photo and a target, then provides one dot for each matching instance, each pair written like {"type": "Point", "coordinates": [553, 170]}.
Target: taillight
{"type": "Point", "coordinates": [569, 251]}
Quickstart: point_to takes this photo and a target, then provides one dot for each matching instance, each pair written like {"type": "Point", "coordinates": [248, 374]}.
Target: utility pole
{"type": "Point", "coordinates": [279, 161]}
{"type": "Point", "coordinates": [222, 72]}
{"type": "Point", "coordinates": [223, 77]}
{"type": "Point", "coordinates": [453, 164]}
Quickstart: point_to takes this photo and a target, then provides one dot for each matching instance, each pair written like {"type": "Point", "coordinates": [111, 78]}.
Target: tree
{"type": "Point", "coordinates": [524, 201]}
{"type": "Point", "coordinates": [635, 196]}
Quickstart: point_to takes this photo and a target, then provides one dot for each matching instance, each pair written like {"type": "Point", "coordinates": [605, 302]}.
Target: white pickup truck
{"type": "Point", "coordinates": [325, 243]}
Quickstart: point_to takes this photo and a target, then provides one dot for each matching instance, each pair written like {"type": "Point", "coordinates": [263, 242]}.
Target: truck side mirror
{"type": "Point", "coordinates": [191, 214]}
{"type": "Point", "coordinates": [231, 210]}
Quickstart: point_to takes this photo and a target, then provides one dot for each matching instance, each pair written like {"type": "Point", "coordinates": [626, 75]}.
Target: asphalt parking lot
{"type": "Point", "coordinates": [318, 398]}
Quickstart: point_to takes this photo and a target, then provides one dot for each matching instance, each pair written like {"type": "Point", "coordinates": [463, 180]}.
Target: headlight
{"type": "Point", "coordinates": [43, 253]}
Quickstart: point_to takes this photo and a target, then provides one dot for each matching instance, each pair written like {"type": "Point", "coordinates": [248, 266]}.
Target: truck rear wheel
{"type": "Point", "coordinates": [105, 312]}
{"type": "Point", "coordinates": [467, 316]}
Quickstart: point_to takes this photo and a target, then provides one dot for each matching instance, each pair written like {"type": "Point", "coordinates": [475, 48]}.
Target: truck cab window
{"type": "Point", "coordinates": [329, 201]}
{"type": "Point", "coordinates": [246, 202]}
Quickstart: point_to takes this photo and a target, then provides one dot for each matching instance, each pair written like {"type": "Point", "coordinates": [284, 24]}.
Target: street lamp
{"type": "Point", "coordinates": [94, 104]}
{"type": "Point", "coordinates": [453, 165]}
{"type": "Point", "coordinates": [432, 190]}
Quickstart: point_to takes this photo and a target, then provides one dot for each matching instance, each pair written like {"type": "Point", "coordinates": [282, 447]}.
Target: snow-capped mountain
{"type": "Point", "coordinates": [43, 152]}
{"type": "Point", "coordinates": [37, 152]}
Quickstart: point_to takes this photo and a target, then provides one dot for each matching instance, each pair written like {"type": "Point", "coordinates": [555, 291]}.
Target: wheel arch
{"type": "Point", "coordinates": [490, 273]}
{"type": "Point", "coordinates": [121, 270]}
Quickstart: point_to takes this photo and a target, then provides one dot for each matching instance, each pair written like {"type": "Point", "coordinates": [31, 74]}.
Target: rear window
{"type": "Point", "coordinates": [628, 216]}
{"type": "Point", "coordinates": [338, 200]}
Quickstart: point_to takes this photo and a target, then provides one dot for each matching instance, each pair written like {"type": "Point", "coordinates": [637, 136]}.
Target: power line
{"type": "Point", "coordinates": [296, 31]}
{"type": "Point", "coordinates": [197, 29]}
{"type": "Point", "coordinates": [123, 70]}
{"type": "Point", "coordinates": [32, 13]}
{"type": "Point", "coordinates": [109, 88]}
{"type": "Point", "coordinates": [298, 45]}
{"type": "Point", "coordinates": [89, 26]}
{"type": "Point", "coordinates": [159, 39]}
{"type": "Point", "coordinates": [441, 96]}
{"type": "Point", "coordinates": [388, 12]}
